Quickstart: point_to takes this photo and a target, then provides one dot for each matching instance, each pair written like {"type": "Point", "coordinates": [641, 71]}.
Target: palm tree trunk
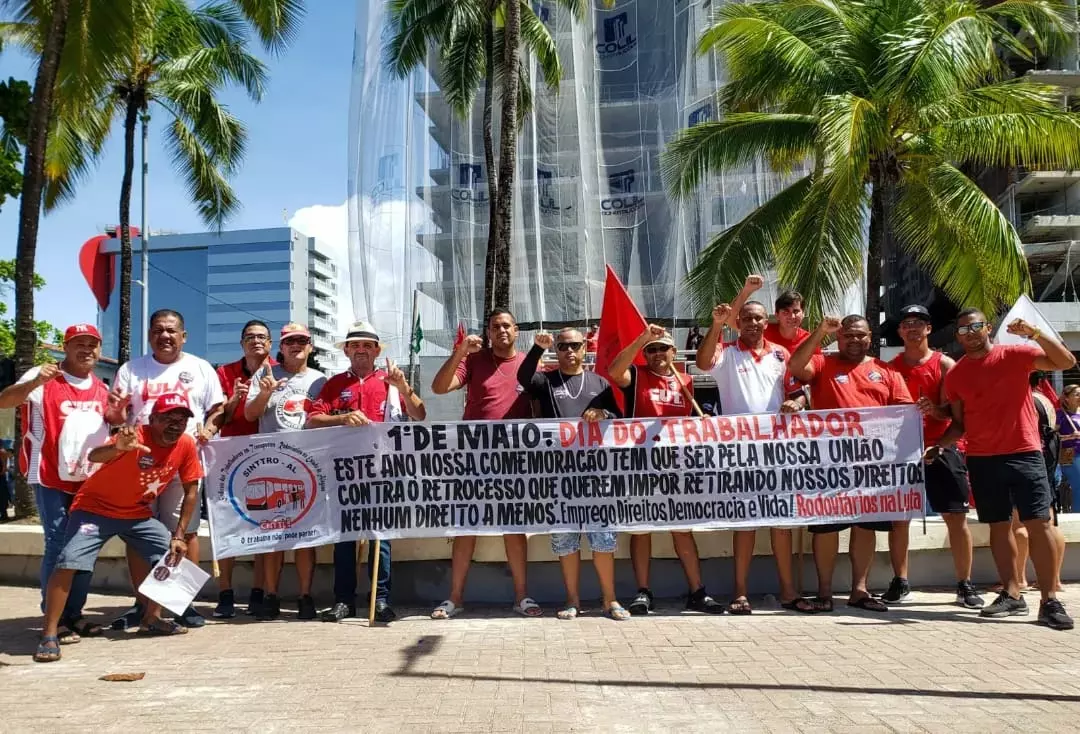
{"type": "Point", "coordinates": [507, 150]}
{"type": "Point", "coordinates": [131, 118]}
{"type": "Point", "coordinates": [492, 171]}
{"type": "Point", "coordinates": [29, 215]}
{"type": "Point", "coordinates": [880, 199]}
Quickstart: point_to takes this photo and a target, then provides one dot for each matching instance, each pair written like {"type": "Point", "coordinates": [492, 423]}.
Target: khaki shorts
{"type": "Point", "coordinates": [167, 507]}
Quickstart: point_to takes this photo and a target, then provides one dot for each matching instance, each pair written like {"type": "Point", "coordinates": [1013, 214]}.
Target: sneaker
{"type": "Point", "coordinates": [305, 608]}
{"type": "Point", "coordinates": [700, 601]}
{"type": "Point", "coordinates": [1052, 614]}
{"type": "Point", "coordinates": [226, 605]}
{"type": "Point", "coordinates": [642, 603]}
{"type": "Point", "coordinates": [255, 602]}
{"type": "Point", "coordinates": [338, 612]}
{"type": "Point", "coordinates": [966, 596]}
{"type": "Point", "coordinates": [191, 618]}
{"type": "Point", "coordinates": [899, 591]}
{"type": "Point", "coordinates": [384, 613]}
{"type": "Point", "coordinates": [1005, 606]}
{"type": "Point", "coordinates": [269, 609]}
{"type": "Point", "coordinates": [130, 619]}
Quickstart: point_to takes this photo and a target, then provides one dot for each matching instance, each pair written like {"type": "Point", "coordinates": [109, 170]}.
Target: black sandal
{"type": "Point", "coordinates": [87, 629]}
{"type": "Point", "coordinates": [868, 604]}
{"type": "Point", "coordinates": [815, 605]}
{"type": "Point", "coordinates": [740, 606]}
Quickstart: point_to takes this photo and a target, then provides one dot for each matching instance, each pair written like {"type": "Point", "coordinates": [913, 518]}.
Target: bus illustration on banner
{"type": "Point", "coordinates": [273, 493]}
{"type": "Point", "coordinates": [273, 489]}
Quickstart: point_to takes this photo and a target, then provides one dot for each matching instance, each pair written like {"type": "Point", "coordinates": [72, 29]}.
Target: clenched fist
{"type": "Point", "coordinates": [754, 282]}
{"type": "Point", "coordinates": [720, 314]}
{"type": "Point", "coordinates": [471, 344]}
{"type": "Point", "coordinates": [544, 340]}
{"type": "Point", "coordinates": [830, 324]}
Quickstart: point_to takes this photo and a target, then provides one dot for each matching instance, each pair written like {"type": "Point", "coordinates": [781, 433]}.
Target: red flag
{"type": "Point", "coordinates": [460, 334]}
{"type": "Point", "coordinates": [620, 324]}
{"type": "Point", "coordinates": [1047, 389]}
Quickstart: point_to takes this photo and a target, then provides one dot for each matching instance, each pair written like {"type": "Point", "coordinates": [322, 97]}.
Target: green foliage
{"type": "Point", "coordinates": [14, 118]}
{"type": "Point", "coordinates": [885, 102]}
{"type": "Point", "coordinates": [46, 332]}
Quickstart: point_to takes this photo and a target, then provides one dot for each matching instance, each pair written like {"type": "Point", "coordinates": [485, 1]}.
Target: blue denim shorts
{"type": "Point", "coordinates": [87, 534]}
{"type": "Point", "coordinates": [563, 544]}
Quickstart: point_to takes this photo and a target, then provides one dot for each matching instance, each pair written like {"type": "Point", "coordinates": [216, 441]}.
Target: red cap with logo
{"type": "Point", "coordinates": [171, 401]}
{"type": "Point", "coordinates": [81, 330]}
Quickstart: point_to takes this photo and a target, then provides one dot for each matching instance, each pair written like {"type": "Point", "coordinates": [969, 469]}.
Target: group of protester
{"type": "Point", "coordinates": [163, 404]}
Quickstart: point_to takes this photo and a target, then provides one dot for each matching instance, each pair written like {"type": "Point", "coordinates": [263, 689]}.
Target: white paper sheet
{"type": "Point", "coordinates": [174, 587]}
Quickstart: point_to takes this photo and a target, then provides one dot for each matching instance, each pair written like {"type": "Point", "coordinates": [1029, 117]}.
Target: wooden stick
{"type": "Point", "coordinates": [686, 391]}
{"type": "Point", "coordinates": [798, 568]}
{"type": "Point", "coordinates": [374, 581]}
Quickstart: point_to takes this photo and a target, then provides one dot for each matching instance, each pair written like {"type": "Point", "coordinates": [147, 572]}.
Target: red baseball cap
{"type": "Point", "coordinates": [171, 401]}
{"type": "Point", "coordinates": [81, 330]}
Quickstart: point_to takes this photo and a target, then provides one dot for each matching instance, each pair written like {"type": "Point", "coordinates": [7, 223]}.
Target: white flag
{"type": "Point", "coordinates": [1024, 309]}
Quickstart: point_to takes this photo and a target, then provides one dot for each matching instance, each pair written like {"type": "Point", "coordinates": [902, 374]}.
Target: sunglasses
{"type": "Point", "coordinates": [256, 338]}
{"type": "Point", "coordinates": [972, 328]}
{"type": "Point", "coordinates": [573, 346]}
{"type": "Point", "coordinates": [302, 341]}
{"type": "Point", "coordinates": [656, 349]}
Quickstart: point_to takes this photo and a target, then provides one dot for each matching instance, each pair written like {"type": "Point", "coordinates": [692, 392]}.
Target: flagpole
{"type": "Point", "coordinates": [413, 346]}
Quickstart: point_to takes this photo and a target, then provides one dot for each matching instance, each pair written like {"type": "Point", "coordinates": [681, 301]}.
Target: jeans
{"type": "Point", "coordinates": [52, 506]}
{"type": "Point", "coordinates": [345, 571]}
{"type": "Point", "coordinates": [1072, 475]}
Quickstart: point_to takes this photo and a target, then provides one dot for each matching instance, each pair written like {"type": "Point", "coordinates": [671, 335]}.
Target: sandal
{"type": "Point", "coordinates": [162, 628]}
{"type": "Point", "coordinates": [868, 604]}
{"type": "Point", "coordinates": [740, 606]}
{"type": "Point", "coordinates": [528, 607]}
{"type": "Point", "coordinates": [48, 649]}
{"type": "Point", "coordinates": [446, 610]}
{"type": "Point", "coordinates": [793, 605]}
{"type": "Point", "coordinates": [568, 612]}
{"type": "Point", "coordinates": [67, 636]}
{"type": "Point", "coordinates": [617, 612]}
{"type": "Point", "coordinates": [87, 629]}
{"type": "Point", "coordinates": [815, 605]}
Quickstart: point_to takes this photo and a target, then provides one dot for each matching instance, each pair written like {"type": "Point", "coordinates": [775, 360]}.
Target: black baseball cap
{"type": "Point", "coordinates": [915, 310]}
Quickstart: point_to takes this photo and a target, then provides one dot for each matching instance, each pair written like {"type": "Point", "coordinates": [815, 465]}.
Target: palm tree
{"type": "Point", "coordinates": [891, 103]}
{"type": "Point", "coordinates": [474, 44]}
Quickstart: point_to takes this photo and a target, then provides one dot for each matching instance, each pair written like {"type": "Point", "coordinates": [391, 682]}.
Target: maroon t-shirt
{"type": "Point", "coordinates": [493, 392]}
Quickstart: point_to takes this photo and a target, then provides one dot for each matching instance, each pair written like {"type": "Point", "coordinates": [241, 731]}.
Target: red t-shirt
{"type": "Point", "coordinates": [838, 383]}
{"type": "Point", "coordinates": [999, 413]}
{"type": "Point", "coordinates": [345, 392]}
{"type": "Point", "coordinates": [657, 396]}
{"type": "Point", "coordinates": [227, 375]}
{"type": "Point", "coordinates": [772, 334]}
{"type": "Point", "coordinates": [924, 380]}
{"type": "Point", "coordinates": [116, 489]}
{"type": "Point", "coordinates": [492, 390]}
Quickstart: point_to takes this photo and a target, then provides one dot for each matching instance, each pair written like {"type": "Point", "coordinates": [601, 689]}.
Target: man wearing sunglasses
{"type": "Point", "coordinates": [573, 392]}
{"type": "Point", "coordinates": [657, 390]}
{"type": "Point", "coordinates": [991, 406]}
{"type": "Point", "coordinates": [947, 491]}
{"type": "Point", "coordinates": [235, 378]}
{"type": "Point", "coordinates": [751, 377]}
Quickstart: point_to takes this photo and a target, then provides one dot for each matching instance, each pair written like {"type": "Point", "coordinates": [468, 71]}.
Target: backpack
{"type": "Point", "coordinates": [1051, 440]}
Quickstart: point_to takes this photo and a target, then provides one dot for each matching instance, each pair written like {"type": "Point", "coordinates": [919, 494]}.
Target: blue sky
{"type": "Point", "coordinates": [296, 158]}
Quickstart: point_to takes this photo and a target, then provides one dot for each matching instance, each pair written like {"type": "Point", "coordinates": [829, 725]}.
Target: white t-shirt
{"type": "Point", "coordinates": [750, 383]}
{"type": "Point", "coordinates": [37, 417]}
{"type": "Point", "coordinates": [144, 378]}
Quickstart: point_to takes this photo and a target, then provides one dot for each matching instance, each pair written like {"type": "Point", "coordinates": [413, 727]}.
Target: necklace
{"type": "Point", "coordinates": [566, 386]}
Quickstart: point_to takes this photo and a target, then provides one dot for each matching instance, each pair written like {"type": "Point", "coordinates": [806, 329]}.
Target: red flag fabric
{"type": "Point", "coordinates": [620, 324]}
{"type": "Point", "coordinates": [460, 334]}
{"type": "Point", "coordinates": [1047, 389]}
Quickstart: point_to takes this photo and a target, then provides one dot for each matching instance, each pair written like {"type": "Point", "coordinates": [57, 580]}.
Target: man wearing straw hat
{"type": "Point", "coordinates": [658, 391]}
{"type": "Point", "coordinates": [361, 395]}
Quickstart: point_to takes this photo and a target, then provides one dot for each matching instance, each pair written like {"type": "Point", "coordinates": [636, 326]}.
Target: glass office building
{"type": "Point", "coordinates": [219, 281]}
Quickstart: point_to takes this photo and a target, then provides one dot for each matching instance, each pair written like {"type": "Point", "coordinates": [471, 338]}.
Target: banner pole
{"type": "Point", "coordinates": [686, 392]}
{"type": "Point", "coordinates": [374, 582]}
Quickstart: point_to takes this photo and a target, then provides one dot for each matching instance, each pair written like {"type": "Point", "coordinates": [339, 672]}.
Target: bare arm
{"type": "Point", "coordinates": [446, 379]}
{"type": "Point", "coordinates": [619, 369]}
{"type": "Point", "coordinates": [753, 283]}
{"type": "Point", "coordinates": [952, 434]}
{"type": "Point", "coordinates": [187, 507]}
{"type": "Point", "coordinates": [19, 393]}
{"type": "Point", "coordinates": [265, 387]}
{"type": "Point", "coordinates": [1057, 355]}
{"type": "Point", "coordinates": [800, 363]}
{"type": "Point", "coordinates": [706, 353]}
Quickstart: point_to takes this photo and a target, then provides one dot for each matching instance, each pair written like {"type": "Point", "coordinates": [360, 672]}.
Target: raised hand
{"type": "Point", "coordinates": [268, 384]}
{"type": "Point", "coordinates": [127, 439]}
{"type": "Point", "coordinates": [471, 344]}
{"type": "Point", "coordinates": [654, 331]}
{"type": "Point", "coordinates": [544, 340]}
{"type": "Point", "coordinates": [1019, 327]}
{"type": "Point", "coordinates": [830, 324]}
{"type": "Point", "coordinates": [754, 282]}
{"type": "Point", "coordinates": [46, 372]}
{"type": "Point", "coordinates": [720, 314]}
{"type": "Point", "coordinates": [395, 376]}
{"type": "Point", "coordinates": [240, 389]}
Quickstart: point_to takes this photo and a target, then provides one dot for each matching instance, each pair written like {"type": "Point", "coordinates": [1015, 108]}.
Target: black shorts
{"type": "Point", "coordinates": [883, 526]}
{"type": "Point", "coordinates": [1000, 483]}
{"type": "Point", "coordinates": [947, 483]}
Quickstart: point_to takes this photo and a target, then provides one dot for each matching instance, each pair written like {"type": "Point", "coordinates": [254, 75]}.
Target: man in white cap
{"type": "Point", "coordinates": [361, 395]}
{"type": "Point", "coordinates": [48, 396]}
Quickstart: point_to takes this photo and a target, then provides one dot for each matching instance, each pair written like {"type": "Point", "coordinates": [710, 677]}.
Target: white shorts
{"type": "Point", "coordinates": [167, 507]}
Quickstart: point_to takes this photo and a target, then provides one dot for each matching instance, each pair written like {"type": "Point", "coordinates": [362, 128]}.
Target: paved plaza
{"type": "Point", "coordinates": [927, 666]}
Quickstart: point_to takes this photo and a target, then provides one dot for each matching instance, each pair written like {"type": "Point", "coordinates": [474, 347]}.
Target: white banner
{"type": "Point", "coordinates": [418, 480]}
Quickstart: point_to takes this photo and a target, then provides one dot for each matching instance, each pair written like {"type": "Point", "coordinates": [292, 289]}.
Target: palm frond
{"type": "Point", "coordinates": [207, 186]}
{"type": "Point", "coordinates": [218, 131]}
{"type": "Point", "coordinates": [1048, 24]}
{"type": "Point", "coordinates": [463, 65]}
{"type": "Point", "coordinates": [275, 22]}
{"type": "Point", "coordinates": [417, 25]}
{"type": "Point", "coordinates": [536, 39]}
{"type": "Point", "coordinates": [852, 130]}
{"type": "Point", "coordinates": [1043, 139]}
{"type": "Point", "coordinates": [734, 141]}
{"type": "Point", "coordinates": [76, 140]}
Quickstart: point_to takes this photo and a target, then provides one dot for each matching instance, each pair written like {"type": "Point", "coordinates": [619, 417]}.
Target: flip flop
{"type": "Point", "coordinates": [446, 610]}
{"type": "Point", "coordinates": [162, 628]}
{"type": "Point", "coordinates": [617, 612]}
{"type": "Point", "coordinates": [48, 649]}
{"type": "Point", "coordinates": [815, 605]}
{"type": "Point", "coordinates": [528, 607]}
{"type": "Point", "coordinates": [567, 612]}
{"type": "Point", "coordinates": [87, 629]}
{"type": "Point", "coordinates": [740, 606]}
{"type": "Point", "coordinates": [869, 604]}
{"type": "Point", "coordinates": [67, 635]}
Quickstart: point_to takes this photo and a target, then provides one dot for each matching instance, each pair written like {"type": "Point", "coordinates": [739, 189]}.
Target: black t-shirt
{"type": "Point", "coordinates": [565, 396]}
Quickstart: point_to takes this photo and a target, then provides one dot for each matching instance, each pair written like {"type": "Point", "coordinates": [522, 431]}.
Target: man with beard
{"type": "Point", "coordinates": [571, 392]}
{"type": "Point", "coordinates": [48, 395]}
{"type": "Point", "coordinates": [235, 378]}
{"type": "Point", "coordinates": [361, 395]}
{"type": "Point", "coordinates": [280, 400]}
{"type": "Point", "coordinates": [850, 378]}
{"type": "Point", "coordinates": [658, 391]}
{"type": "Point", "coordinates": [924, 372]}
{"type": "Point", "coordinates": [991, 405]}
{"type": "Point", "coordinates": [751, 377]}
{"type": "Point", "coordinates": [116, 501]}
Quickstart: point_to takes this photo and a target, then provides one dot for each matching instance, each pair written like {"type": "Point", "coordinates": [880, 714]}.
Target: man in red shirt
{"type": "Point", "coordinates": [47, 396]}
{"type": "Point", "coordinates": [492, 393]}
{"type": "Point", "coordinates": [947, 490]}
{"type": "Point", "coordinates": [361, 395]}
{"type": "Point", "coordinates": [787, 331]}
{"type": "Point", "coordinates": [850, 378]}
{"type": "Point", "coordinates": [235, 378]}
{"type": "Point", "coordinates": [659, 391]}
{"type": "Point", "coordinates": [138, 463]}
{"type": "Point", "coordinates": [991, 405]}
